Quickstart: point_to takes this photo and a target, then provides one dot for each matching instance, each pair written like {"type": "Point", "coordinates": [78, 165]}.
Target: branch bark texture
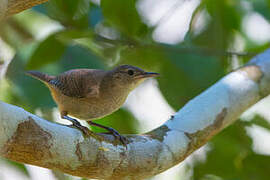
{"type": "Point", "coordinates": [10, 7]}
{"type": "Point", "coordinates": [27, 138]}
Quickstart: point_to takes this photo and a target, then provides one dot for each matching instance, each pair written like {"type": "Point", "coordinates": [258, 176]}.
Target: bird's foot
{"type": "Point", "coordinates": [112, 131]}
{"type": "Point", "coordinates": [76, 124]}
{"type": "Point", "coordinates": [117, 135]}
{"type": "Point", "coordinates": [82, 128]}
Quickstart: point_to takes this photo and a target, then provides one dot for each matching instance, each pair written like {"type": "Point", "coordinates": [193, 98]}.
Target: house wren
{"type": "Point", "coordinates": [90, 94]}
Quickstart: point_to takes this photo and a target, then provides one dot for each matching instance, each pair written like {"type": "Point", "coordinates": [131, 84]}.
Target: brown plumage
{"type": "Point", "coordinates": [90, 94]}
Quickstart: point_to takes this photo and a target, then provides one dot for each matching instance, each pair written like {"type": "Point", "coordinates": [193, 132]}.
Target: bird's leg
{"type": "Point", "coordinates": [77, 124]}
{"type": "Point", "coordinates": [112, 131]}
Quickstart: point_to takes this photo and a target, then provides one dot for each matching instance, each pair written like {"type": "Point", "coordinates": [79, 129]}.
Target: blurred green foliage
{"type": "Point", "coordinates": [90, 35]}
{"type": "Point", "coordinates": [123, 16]}
{"type": "Point", "coordinates": [232, 155]}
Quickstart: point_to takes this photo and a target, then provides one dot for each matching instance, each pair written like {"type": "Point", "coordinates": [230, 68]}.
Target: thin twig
{"type": "Point", "coordinates": [193, 50]}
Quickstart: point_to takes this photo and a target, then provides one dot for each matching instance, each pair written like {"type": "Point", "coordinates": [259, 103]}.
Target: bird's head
{"type": "Point", "coordinates": [130, 77]}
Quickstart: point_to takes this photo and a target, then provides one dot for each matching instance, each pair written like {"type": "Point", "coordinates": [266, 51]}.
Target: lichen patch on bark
{"type": "Point", "coordinates": [200, 137]}
{"type": "Point", "coordinates": [158, 133]}
{"type": "Point", "coordinates": [78, 152]}
{"type": "Point", "coordinates": [91, 157]}
{"type": "Point", "coordinates": [137, 170]}
{"type": "Point", "coordinates": [29, 144]}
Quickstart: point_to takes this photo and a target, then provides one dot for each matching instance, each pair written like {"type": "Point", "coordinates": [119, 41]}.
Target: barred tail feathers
{"type": "Point", "coordinates": [40, 76]}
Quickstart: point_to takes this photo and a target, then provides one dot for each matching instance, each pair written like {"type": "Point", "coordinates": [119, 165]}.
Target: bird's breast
{"type": "Point", "coordinates": [89, 108]}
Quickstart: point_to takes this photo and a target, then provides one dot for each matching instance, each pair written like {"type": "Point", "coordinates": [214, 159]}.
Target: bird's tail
{"type": "Point", "coordinates": [40, 76]}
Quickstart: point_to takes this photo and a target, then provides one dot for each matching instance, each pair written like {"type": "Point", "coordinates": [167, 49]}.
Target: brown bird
{"type": "Point", "coordinates": [90, 94]}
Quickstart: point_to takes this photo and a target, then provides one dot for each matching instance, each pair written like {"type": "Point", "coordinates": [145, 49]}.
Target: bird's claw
{"type": "Point", "coordinates": [83, 129]}
{"type": "Point", "coordinates": [117, 135]}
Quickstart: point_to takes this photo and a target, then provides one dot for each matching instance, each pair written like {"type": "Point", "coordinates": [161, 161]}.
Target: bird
{"type": "Point", "coordinates": [89, 94]}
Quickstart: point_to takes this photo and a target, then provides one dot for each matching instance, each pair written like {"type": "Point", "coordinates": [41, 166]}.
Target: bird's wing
{"type": "Point", "coordinates": [79, 83]}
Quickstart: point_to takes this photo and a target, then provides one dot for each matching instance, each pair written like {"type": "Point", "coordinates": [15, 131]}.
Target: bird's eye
{"type": "Point", "coordinates": [130, 72]}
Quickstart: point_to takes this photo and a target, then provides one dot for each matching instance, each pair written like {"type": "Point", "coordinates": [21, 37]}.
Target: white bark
{"type": "Point", "coordinates": [27, 138]}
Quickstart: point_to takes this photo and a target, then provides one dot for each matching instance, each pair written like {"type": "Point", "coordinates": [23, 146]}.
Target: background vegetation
{"type": "Point", "coordinates": [89, 34]}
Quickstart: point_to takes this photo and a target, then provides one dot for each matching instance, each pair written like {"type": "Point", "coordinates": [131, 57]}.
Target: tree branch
{"type": "Point", "coordinates": [27, 138]}
{"type": "Point", "coordinates": [10, 7]}
{"type": "Point", "coordinates": [191, 50]}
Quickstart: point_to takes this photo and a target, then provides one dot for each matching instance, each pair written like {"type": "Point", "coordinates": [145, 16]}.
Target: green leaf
{"type": "Point", "coordinates": [254, 49]}
{"type": "Point", "coordinates": [14, 34]}
{"type": "Point", "coordinates": [195, 72]}
{"type": "Point", "coordinates": [226, 12]}
{"type": "Point", "coordinates": [88, 39]}
{"type": "Point", "coordinates": [258, 120]}
{"type": "Point", "coordinates": [122, 14]}
{"type": "Point", "coordinates": [48, 51]}
{"type": "Point", "coordinates": [225, 19]}
{"type": "Point", "coordinates": [69, 12]}
{"type": "Point", "coordinates": [68, 35]}
{"type": "Point", "coordinates": [262, 7]}
{"type": "Point", "coordinates": [210, 177]}
{"type": "Point", "coordinates": [23, 89]}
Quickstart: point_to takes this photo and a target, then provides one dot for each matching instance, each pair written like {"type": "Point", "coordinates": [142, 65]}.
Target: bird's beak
{"type": "Point", "coordinates": [148, 75]}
